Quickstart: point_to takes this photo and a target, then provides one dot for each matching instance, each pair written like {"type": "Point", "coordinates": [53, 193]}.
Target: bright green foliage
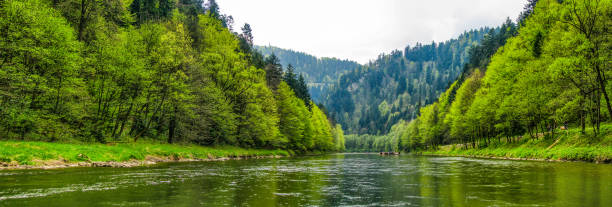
{"type": "Point", "coordinates": [305, 130]}
{"type": "Point", "coordinates": [177, 76]}
{"type": "Point", "coordinates": [411, 138]}
{"type": "Point", "coordinates": [339, 141]}
{"type": "Point", "coordinates": [551, 74]}
{"type": "Point", "coordinates": [261, 120]}
{"type": "Point", "coordinates": [370, 143]}
{"type": "Point", "coordinates": [428, 126]}
{"type": "Point", "coordinates": [524, 84]}
{"type": "Point", "coordinates": [40, 91]}
{"type": "Point", "coordinates": [569, 145]}
{"type": "Point", "coordinates": [457, 119]}
{"type": "Point", "coordinates": [34, 153]}
{"type": "Point", "coordinates": [295, 121]}
{"type": "Point", "coordinates": [322, 130]}
{"type": "Point", "coordinates": [92, 18]}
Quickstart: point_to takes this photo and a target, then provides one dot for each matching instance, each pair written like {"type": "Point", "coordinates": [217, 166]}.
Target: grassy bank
{"type": "Point", "coordinates": [15, 153]}
{"type": "Point", "coordinates": [568, 145]}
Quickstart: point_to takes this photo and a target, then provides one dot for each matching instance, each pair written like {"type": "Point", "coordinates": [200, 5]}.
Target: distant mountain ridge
{"type": "Point", "coordinates": [369, 99]}
{"type": "Point", "coordinates": [372, 98]}
{"type": "Point", "coordinates": [320, 73]}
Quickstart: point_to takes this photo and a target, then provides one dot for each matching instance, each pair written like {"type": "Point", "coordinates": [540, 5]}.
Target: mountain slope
{"type": "Point", "coordinates": [369, 100]}
{"type": "Point", "coordinates": [319, 73]}
{"type": "Point", "coordinates": [552, 73]}
{"type": "Point", "coordinates": [155, 70]}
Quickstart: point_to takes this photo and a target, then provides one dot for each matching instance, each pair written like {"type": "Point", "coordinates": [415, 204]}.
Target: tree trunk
{"type": "Point", "coordinates": [118, 119]}
{"type": "Point", "coordinates": [172, 126]}
{"type": "Point", "coordinates": [151, 119]}
{"type": "Point", "coordinates": [57, 99]}
{"type": "Point", "coordinates": [602, 88]}
{"type": "Point", "coordinates": [582, 121]}
{"type": "Point", "coordinates": [125, 118]}
{"type": "Point", "coordinates": [82, 19]}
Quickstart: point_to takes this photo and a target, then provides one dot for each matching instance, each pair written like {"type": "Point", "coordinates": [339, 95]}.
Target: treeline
{"type": "Point", "coordinates": [165, 70]}
{"type": "Point", "coordinates": [319, 73]}
{"type": "Point", "coordinates": [551, 71]}
{"type": "Point", "coordinates": [390, 142]}
{"type": "Point", "coordinates": [554, 72]}
{"type": "Point", "coordinates": [371, 99]}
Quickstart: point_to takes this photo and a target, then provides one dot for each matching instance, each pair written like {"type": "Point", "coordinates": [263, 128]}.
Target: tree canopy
{"type": "Point", "coordinates": [167, 71]}
{"type": "Point", "coordinates": [521, 82]}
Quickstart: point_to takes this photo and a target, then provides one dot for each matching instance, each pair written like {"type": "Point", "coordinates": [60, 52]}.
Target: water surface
{"type": "Point", "coordinates": [330, 180]}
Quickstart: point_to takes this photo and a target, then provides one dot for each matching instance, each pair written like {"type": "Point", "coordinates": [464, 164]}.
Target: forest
{"type": "Point", "coordinates": [171, 71]}
{"type": "Point", "coordinates": [526, 81]}
{"type": "Point", "coordinates": [174, 103]}
{"type": "Point", "coordinates": [117, 71]}
{"type": "Point", "coordinates": [319, 73]}
{"type": "Point", "coordinates": [371, 99]}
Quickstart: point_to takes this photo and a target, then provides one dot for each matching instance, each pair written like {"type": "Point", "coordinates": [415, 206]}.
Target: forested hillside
{"type": "Point", "coordinates": [370, 99]}
{"type": "Point", "coordinates": [161, 70]}
{"type": "Point", "coordinates": [552, 72]}
{"type": "Point", "coordinates": [319, 73]}
{"type": "Point", "coordinates": [555, 72]}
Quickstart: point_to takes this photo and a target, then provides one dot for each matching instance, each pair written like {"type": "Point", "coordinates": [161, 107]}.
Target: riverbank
{"type": "Point", "coordinates": [569, 145]}
{"type": "Point", "coordinates": [45, 155]}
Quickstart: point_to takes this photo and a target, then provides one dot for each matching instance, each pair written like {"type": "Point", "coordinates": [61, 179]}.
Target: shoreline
{"type": "Point", "coordinates": [148, 161]}
{"type": "Point", "coordinates": [565, 147]}
{"type": "Point", "coordinates": [597, 154]}
{"type": "Point", "coordinates": [15, 155]}
{"type": "Point", "coordinates": [514, 158]}
{"type": "Point", "coordinates": [605, 161]}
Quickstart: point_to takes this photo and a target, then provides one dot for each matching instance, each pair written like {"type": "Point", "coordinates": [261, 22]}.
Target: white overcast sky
{"type": "Point", "coordinates": [361, 29]}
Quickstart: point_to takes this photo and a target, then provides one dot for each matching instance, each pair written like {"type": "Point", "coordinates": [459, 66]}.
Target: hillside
{"type": "Point", "coordinates": [551, 74]}
{"type": "Point", "coordinates": [370, 99]}
{"type": "Point", "coordinates": [161, 70]}
{"type": "Point", "coordinates": [319, 73]}
{"type": "Point", "coordinates": [542, 93]}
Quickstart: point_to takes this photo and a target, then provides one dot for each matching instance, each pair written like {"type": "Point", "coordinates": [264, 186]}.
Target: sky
{"type": "Point", "coordinates": [360, 30]}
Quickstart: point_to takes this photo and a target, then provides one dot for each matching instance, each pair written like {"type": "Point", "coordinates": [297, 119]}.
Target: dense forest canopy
{"type": "Point", "coordinates": [178, 71]}
{"type": "Point", "coordinates": [164, 70]}
{"type": "Point", "coordinates": [550, 70]}
{"type": "Point", "coordinates": [320, 73]}
{"type": "Point", "coordinates": [371, 99]}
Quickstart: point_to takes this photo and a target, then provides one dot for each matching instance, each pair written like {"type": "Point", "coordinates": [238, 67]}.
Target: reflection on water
{"type": "Point", "coordinates": [331, 180]}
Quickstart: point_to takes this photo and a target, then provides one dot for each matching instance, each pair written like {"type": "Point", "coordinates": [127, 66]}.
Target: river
{"type": "Point", "coordinates": [329, 180]}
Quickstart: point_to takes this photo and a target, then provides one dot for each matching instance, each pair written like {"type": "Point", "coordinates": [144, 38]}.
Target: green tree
{"type": "Point", "coordinates": [295, 122]}
{"type": "Point", "coordinates": [339, 141]}
{"type": "Point", "coordinates": [147, 10]}
{"type": "Point", "coordinates": [322, 130]}
{"type": "Point", "coordinates": [274, 71]}
{"type": "Point", "coordinates": [39, 83]}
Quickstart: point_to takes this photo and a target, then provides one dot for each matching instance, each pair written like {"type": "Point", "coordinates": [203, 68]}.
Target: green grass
{"type": "Point", "coordinates": [572, 146]}
{"type": "Point", "coordinates": [34, 153]}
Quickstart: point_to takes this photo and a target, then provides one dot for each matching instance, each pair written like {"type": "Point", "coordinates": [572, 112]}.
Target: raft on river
{"type": "Point", "coordinates": [389, 153]}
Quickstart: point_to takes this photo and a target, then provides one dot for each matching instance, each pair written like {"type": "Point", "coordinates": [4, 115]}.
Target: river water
{"type": "Point", "coordinates": [330, 180]}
